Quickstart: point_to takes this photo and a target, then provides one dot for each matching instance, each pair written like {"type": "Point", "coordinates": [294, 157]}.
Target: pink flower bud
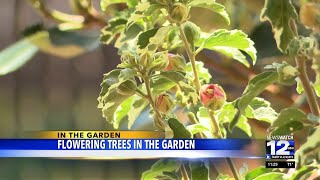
{"type": "Point", "coordinates": [212, 96]}
{"type": "Point", "coordinates": [164, 103]}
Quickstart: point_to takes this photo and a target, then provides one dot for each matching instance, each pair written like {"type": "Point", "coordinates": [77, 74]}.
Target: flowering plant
{"type": "Point", "coordinates": [162, 45]}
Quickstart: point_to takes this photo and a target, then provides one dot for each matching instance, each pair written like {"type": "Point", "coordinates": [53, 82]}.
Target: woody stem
{"type": "Point", "coordinates": [192, 57]}
{"type": "Point", "coordinates": [158, 119]}
{"type": "Point", "coordinates": [312, 101]}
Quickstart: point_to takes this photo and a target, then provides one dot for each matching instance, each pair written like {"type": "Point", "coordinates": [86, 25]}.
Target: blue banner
{"type": "Point", "coordinates": [123, 144]}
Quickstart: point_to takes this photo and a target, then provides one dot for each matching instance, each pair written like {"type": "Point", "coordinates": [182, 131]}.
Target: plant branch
{"type": "Point", "coordinates": [219, 135]}
{"type": "Point", "coordinates": [141, 94]}
{"type": "Point", "coordinates": [92, 17]}
{"type": "Point", "coordinates": [216, 126]}
{"type": "Point", "coordinates": [55, 15]}
{"type": "Point", "coordinates": [312, 101]}
{"type": "Point", "coordinates": [233, 168]}
{"type": "Point", "coordinates": [184, 172]}
{"type": "Point", "coordinates": [158, 119]}
{"type": "Point", "coordinates": [192, 58]}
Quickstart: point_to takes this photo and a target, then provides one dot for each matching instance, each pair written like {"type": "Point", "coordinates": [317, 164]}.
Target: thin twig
{"type": "Point", "coordinates": [158, 121]}
{"type": "Point", "coordinates": [184, 172]}
{"type": "Point", "coordinates": [215, 124]}
{"type": "Point", "coordinates": [191, 56]}
{"type": "Point", "coordinates": [313, 104]}
{"type": "Point", "coordinates": [233, 168]}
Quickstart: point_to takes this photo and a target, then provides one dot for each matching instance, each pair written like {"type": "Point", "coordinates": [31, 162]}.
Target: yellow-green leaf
{"type": "Point", "coordinates": [279, 13]}
{"type": "Point", "coordinates": [16, 55]}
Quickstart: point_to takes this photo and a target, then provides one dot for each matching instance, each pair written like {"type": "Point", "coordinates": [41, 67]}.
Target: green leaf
{"type": "Point", "coordinates": [279, 13]}
{"type": "Point", "coordinates": [260, 109]}
{"type": "Point", "coordinates": [233, 53]}
{"type": "Point", "coordinates": [139, 12]}
{"type": "Point", "coordinates": [199, 170]}
{"type": "Point", "coordinates": [272, 176]}
{"type": "Point", "coordinates": [108, 79]}
{"type": "Point", "coordinates": [223, 177]}
{"type": "Point", "coordinates": [302, 172]}
{"type": "Point", "coordinates": [143, 39]}
{"type": "Point", "coordinates": [169, 176]}
{"type": "Point", "coordinates": [257, 172]}
{"type": "Point", "coordinates": [310, 149]}
{"type": "Point", "coordinates": [115, 26]}
{"type": "Point", "coordinates": [126, 74]}
{"type": "Point", "coordinates": [205, 120]}
{"type": "Point", "coordinates": [179, 131]}
{"type": "Point", "coordinates": [159, 37]}
{"type": "Point", "coordinates": [105, 3]}
{"type": "Point", "coordinates": [259, 102]}
{"type": "Point", "coordinates": [203, 72]}
{"type": "Point", "coordinates": [229, 43]}
{"type": "Point", "coordinates": [121, 112]}
{"type": "Point", "coordinates": [180, 79]}
{"type": "Point", "coordinates": [137, 106]}
{"type": "Point", "coordinates": [161, 84]}
{"type": "Point", "coordinates": [300, 45]}
{"type": "Point", "coordinates": [243, 169]}
{"type": "Point", "coordinates": [131, 108]}
{"type": "Point", "coordinates": [65, 44]}
{"type": "Point", "coordinates": [213, 6]}
{"type": "Point", "coordinates": [244, 125]}
{"type": "Point", "coordinates": [299, 87]}
{"type": "Point", "coordinates": [288, 128]}
{"type": "Point", "coordinates": [255, 86]}
{"type": "Point", "coordinates": [132, 32]}
{"type": "Point", "coordinates": [16, 55]}
{"type": "Point", "coordinates": [196, 128]}
{"type": "Point", "coordinates": [289, 121]}
{"type": "Point", "coordinates": [226, 115]}
{"type": "Point", "coordinates": [316, 87]}
{"type": "Point", "coordinates": [152, 37]}
{"type": "Point", "coordinates": [132, 3]}
{"type": "Point", "coordinates": [87, 41]}
{"type": "Point", "coordinates": [161, 166]}
{"type": "Point", "coordinates": [289, 114]}
{"type": "Point", "coordinates": [266, 114]}
{"type": "Point", "coordinates": [287, 73]}
{"type": "Point", "coordinates": [110, 97]}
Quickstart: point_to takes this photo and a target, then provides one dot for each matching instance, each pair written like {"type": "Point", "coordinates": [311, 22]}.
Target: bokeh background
{"type": "Point", "coordinates": [51, 93]}
{"type": "Point", "coordinates": [54, 94]}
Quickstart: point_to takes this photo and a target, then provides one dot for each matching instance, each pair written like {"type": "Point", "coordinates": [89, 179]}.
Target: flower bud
{"type": "Point", "coordinates": [178, 13]}
{"type": "Point", "coordinates": [164, 103]}
{"type": "Point", "coordinates": [160, 62]}
{"type": "Point", "coordinates": [145, 59]}
{"type": "Point", "coordinates": [287, 74]}
{"type": "Point", "coordinates": [192, 32]}
{"type": "Point", "coordinates": [128, 60]}
{"type": "Point", "coordinates": [127, 87]}
{"type": "Point", "coordinates": [176, 62]}
{"type": "Point", "coordinates": [212, 96]}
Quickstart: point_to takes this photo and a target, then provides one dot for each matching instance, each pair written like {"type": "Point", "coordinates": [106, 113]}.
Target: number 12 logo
{"type": "Point", "coordinates": [279, 147]}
